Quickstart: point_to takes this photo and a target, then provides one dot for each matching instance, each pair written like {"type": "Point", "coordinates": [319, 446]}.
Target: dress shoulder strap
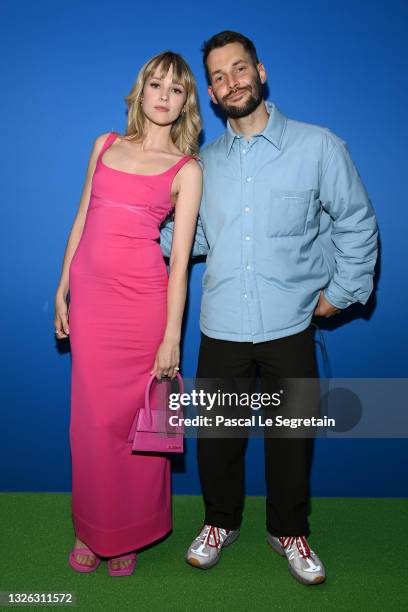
{"type": "Point", "coordinates": [108, 141]}
{"type": "Point", "coordinates": [181, 163]}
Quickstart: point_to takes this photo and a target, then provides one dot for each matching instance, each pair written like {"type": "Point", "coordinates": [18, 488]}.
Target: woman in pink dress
{"type": "Point", "coordinates": [125, 311]}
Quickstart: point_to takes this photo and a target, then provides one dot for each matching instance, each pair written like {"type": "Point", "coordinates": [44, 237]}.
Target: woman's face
{"type": "Point", "coordinates": [163, 100]}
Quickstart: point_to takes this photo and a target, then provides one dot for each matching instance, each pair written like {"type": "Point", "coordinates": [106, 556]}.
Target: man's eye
{"type": "Point", "coordinates": [218, 79]}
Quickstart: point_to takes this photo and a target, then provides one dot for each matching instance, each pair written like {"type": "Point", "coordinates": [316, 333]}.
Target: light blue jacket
{"type": "Point", "coordinates": [282, 217]}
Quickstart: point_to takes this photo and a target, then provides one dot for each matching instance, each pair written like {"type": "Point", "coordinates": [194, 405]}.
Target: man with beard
{"type": "Point", "coordinates": [288, 231]}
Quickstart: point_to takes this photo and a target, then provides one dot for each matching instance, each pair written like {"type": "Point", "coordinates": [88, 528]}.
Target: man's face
{"type": "Point", "coordinates": [236, 84]}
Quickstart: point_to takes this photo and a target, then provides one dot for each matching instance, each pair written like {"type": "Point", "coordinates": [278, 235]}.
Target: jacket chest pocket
{"type": "Point", "coordinates": [287, 212]}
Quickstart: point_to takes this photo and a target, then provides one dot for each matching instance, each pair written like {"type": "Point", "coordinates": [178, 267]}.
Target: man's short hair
{"type": "Point", "coordinates": [225, 38]}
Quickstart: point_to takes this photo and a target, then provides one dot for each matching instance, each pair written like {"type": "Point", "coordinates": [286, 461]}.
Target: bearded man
{"type": "Point", "coordinates": [289, 232]}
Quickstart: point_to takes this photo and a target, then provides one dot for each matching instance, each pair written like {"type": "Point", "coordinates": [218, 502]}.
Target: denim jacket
{"type": "Point", "coordinates": [283, 216]}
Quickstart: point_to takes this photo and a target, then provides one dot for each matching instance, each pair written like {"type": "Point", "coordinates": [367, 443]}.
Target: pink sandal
{"type": "Point", "coordinates": [125, 571]}
{"type": "Point", "coordinates": [80, 567]}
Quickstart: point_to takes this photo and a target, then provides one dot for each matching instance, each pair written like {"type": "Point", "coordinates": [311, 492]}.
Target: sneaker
{"type": "Point", "coordinates": [303, 563]}
{"type": "Point", "coordinates": [205, 551]}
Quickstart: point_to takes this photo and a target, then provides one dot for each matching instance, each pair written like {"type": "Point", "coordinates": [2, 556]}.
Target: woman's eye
{"type": "Point", "coordinates": [154, 85]}
{"type": "Point", "coordinates": [177, 91]}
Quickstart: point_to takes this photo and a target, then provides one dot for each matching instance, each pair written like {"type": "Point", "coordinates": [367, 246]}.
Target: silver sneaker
{"type": "Point", "coordinates": [205, 551]}
{"type": "Point", "coordinates": [303, 563]}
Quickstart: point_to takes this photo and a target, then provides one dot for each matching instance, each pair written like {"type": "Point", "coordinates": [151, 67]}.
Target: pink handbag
{"type": "Point", "coordinates": [151, 431]}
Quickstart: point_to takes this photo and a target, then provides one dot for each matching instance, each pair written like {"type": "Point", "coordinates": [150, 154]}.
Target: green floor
{"type": "Point", "coordinates": [363, 543]}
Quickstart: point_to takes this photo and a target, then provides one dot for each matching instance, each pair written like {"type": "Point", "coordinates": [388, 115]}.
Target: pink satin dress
{"type": "Point", "coordinates": [118, 280]}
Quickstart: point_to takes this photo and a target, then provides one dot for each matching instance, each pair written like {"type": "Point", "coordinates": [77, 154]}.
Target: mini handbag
{"type": "Point", "coordinates": [151, 431]}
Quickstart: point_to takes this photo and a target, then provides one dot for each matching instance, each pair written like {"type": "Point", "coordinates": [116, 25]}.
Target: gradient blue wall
{"type": "Point", "coordinates": [66, 67]}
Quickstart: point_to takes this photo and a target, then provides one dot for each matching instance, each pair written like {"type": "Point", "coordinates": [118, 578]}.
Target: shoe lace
{"type": "Point", "coordinates": [213, 536]}
{"type": "Point", "coordinates": [301, 543]}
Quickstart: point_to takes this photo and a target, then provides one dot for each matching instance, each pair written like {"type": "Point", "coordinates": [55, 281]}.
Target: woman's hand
{"type": "Point", "coordinates": [167, 359]}
{"type": "Point", "coordinates": [61, 317]}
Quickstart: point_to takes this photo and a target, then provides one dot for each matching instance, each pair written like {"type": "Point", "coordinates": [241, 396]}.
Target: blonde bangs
{"type": "Point", "coordinates": [166, 61]}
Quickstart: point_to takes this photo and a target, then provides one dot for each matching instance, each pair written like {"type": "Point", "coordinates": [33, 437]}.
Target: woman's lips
{"type": "Point", "coordinates": [162, 109]}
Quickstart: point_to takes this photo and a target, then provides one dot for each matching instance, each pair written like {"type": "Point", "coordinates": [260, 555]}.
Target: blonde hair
{"type": "Point", "coordinates": [186, 129]}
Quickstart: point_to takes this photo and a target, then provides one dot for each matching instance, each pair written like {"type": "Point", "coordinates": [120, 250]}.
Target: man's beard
{"type": "Point", "coordinates": [254, 100]}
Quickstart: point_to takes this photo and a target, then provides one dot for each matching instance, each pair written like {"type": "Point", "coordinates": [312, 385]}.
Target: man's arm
{"type": "Point", "coordinates": [200, 244]}
{"type": "Point", "coordinates": [354, 229]}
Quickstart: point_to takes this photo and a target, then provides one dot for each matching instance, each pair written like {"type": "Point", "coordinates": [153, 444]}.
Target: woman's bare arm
{"type": "Point", "coordinates": [185, 220]}
{"type": "Point", "coordinates": [61, 315]}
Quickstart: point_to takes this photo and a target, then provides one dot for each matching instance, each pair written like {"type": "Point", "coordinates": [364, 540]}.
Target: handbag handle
{"type": "Point", "coordinates": [147, 394]}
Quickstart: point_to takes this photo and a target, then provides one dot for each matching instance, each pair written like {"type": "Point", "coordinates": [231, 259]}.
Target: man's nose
{"type": "Point", "coordinates": [232, 82]}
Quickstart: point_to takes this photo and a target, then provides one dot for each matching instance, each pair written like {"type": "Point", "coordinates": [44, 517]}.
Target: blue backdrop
{"type": "Point", "coordinates": [66, 67]}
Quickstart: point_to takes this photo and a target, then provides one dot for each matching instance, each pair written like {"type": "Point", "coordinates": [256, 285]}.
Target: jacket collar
{"type": "Point", "coordinates": [273, 130]}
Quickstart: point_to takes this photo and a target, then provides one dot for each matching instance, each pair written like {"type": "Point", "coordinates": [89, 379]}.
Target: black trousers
{"type": "Point", "coordinates": [288, 460]}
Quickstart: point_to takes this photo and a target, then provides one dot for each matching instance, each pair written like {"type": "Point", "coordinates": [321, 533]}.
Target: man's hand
{"type": "Point", "coordinates": [324, 308]}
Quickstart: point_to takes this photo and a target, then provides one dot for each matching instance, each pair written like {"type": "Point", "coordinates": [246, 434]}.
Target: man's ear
{"type": "Point", "coordinates": [262, 72]}
{"type": "Point", "coordinates": [211, 94]}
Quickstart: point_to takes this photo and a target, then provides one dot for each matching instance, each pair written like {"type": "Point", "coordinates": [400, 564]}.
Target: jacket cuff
{"type": "Point", "coordinates": [338, 297]}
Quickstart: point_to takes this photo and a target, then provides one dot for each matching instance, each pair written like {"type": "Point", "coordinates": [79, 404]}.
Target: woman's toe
{"type": "Point", "coordinates": [85, 559]}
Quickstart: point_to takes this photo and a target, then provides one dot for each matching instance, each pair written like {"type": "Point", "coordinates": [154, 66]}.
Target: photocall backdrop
{"type": "Point", "coordinates": [66, 67]}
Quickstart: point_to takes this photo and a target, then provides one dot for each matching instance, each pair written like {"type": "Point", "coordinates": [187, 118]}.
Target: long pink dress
{"type": "Point", "coordinates": [118, 279]}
